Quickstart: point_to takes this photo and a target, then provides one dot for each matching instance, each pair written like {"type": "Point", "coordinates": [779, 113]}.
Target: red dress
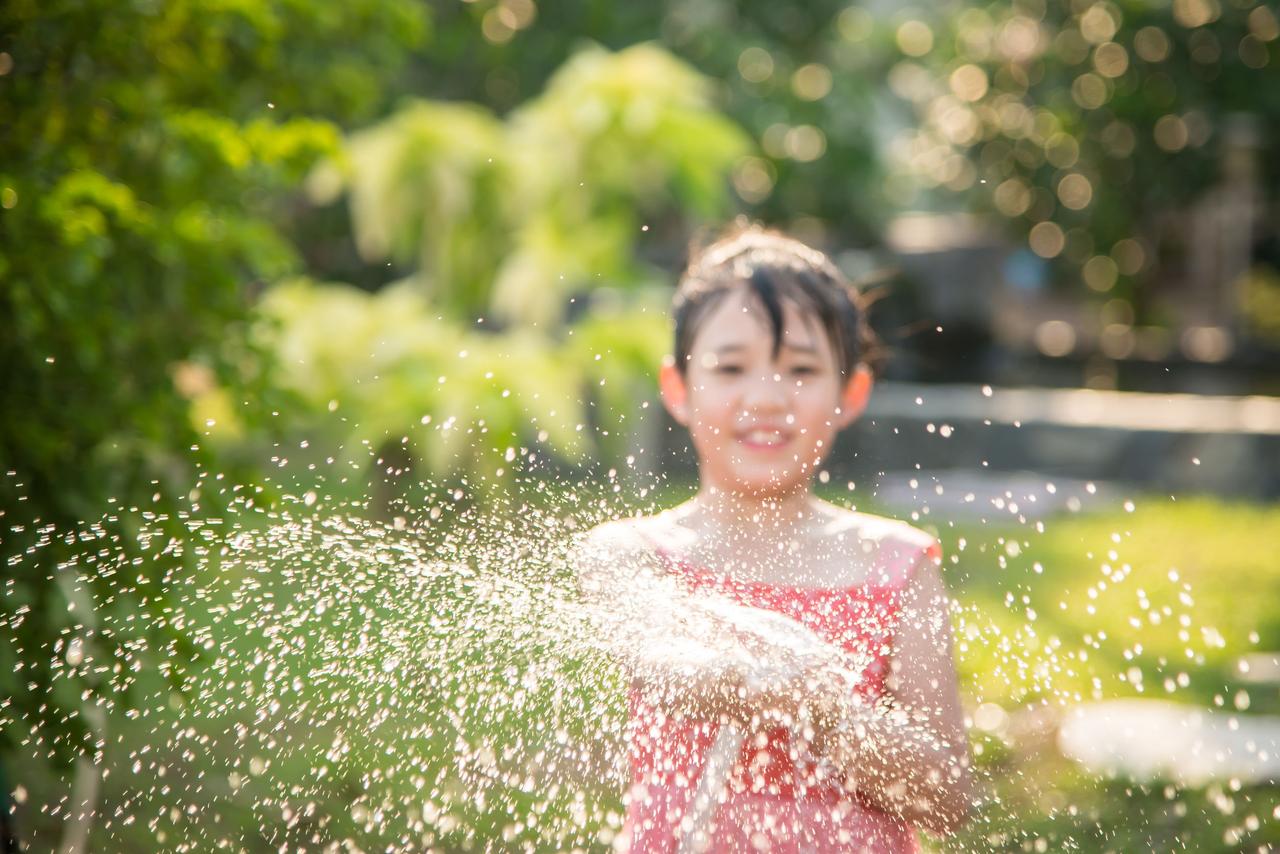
{"type": "Point", "coordinates": [777, 800]}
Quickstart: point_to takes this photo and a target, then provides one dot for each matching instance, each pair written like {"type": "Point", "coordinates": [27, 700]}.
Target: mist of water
{"type": "Point", "coordinates": [435, 678]}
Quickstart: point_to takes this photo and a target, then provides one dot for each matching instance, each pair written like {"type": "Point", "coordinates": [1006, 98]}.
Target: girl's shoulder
{"type": "Point", "coordinates": [887, 550]}
{"type": "Point", "coordinates": [874, 531]}
{"type": "Point", "coordinates": [627, 537]}
{"type": "Point", "coordinates": [642, 540]}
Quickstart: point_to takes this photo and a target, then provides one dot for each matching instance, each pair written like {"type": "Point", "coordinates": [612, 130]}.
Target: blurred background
{"type": "Point", "coordinates": [390, 255]}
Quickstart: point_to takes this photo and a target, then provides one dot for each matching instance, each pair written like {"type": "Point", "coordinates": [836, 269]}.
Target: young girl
{"type": "Point", "coordinates": [793, 682]}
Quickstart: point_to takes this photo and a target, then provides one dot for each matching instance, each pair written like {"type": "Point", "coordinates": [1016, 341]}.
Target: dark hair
{"type": "Point", "coordinates": [773, 268]}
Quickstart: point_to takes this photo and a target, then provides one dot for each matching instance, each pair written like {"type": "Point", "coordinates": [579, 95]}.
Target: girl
{"type": "Point", "coordinates": [793, 682]}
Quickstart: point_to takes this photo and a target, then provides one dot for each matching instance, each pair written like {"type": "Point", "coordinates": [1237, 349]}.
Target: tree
{"type": "Point", "coordinates": [148, 160]}
{"type": "Point", "coordinates": [473, 356]}
{"type": "Point", "coordinates": [803, 80]}
{"type": "Point", "coordinates": [1086, 125]}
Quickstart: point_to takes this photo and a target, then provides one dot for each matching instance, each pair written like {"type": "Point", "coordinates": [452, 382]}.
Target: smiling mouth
{"type": "Point", "coordinates": [764, 438]}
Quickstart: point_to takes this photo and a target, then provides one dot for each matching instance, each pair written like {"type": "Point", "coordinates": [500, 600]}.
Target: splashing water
{"type": "Point", "coordinates": [437, 681]}
{"type": "Point", "coordinates": [408, 684]}
{"type": "Point", "coordinates": [404, 684]}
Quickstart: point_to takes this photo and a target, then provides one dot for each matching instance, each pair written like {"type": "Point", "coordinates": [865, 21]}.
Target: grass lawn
{"type": "Point", "coordinates": [1160, 602]}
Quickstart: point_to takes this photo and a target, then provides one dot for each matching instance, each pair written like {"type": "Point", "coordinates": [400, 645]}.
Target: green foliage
{"type": "Point", "coordinates": [429, 187]}
{"type": "Point", "coordinates": [468, 366]}
{"type": "Point", "coordinates": [512, 217]}
{"type": "Point", "coordinates": [808, 84]}
{"type": "Point", "coordinates": [816, 67]}
{"type": "Point", "coordinates": [403, 384]}
{"type": "Point", "coordinates": [1090, 122]}
{"type": "Point", "coordinates": [616, 140]}
{"type": "Point", "coordinates": [145, 172]}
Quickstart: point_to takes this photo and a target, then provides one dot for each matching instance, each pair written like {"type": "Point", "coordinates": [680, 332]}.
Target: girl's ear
{"type": "Point", "coordinates": [675, 394]}
{"type": "Point", "coordinates": [853, 400]}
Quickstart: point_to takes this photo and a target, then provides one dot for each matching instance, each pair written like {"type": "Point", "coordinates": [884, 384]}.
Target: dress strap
{"type": "Point", "coordinates": [900, 551]}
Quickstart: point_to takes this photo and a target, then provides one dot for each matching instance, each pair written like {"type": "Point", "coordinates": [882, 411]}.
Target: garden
{"type": "Point", "coordinates": [325, 327]}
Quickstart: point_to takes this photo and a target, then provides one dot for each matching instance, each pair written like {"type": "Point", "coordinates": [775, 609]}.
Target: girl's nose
{"type": "Point", "coordinates": [768, 390]}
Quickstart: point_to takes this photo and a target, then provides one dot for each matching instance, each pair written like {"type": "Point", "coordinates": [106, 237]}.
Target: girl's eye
{"type": "Point", "coordinates": [804, 370]}
{"type": "Point", "coordinates": [728, 369]}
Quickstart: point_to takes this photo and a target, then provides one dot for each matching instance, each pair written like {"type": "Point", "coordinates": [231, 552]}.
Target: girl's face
{"type": "Point", "coordinates": [761, 426]}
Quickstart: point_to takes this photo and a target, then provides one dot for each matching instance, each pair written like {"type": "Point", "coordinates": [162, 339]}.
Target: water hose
{"type": "Point", "coordinates": [711, 789]}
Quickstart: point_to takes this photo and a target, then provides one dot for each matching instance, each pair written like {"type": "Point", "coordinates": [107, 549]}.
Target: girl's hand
{"type": "Point", "coordinates": [804, 694]}
{"type": "Point", "coordinates": [773, 694]}
{"type": "Point", "coordinates": [788, 674]}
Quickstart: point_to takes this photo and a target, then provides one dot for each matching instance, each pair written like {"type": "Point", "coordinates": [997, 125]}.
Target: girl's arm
{"type": "Point", "coordinates": [682, 656]}
{"type": "Point", "coordinates": [644, 622]}
{"type": "Point", "coordinates": [911, 756]}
